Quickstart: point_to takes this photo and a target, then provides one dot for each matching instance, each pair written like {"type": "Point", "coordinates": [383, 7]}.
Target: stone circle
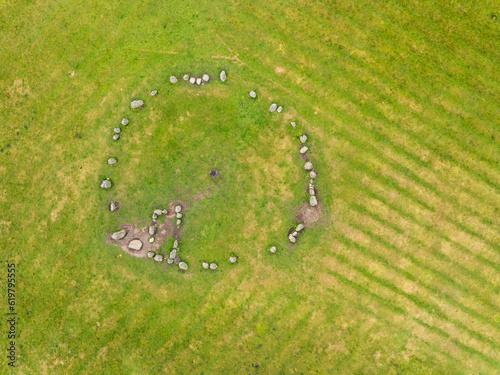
{"type": "Point", "coordinates": [179, 215]}
{"type": "Point", "coordinates": [158, 212]}
{"type": "Point", "coordinates": [113, 206]}
{"type": "Point", "coordinates": [312, 174]}
{"type": "Point", "coordinates": [158, 258]}
{"type": "Point", "coordinates": [299, 227]}
{"type": "Point", "coordinates": [280, 108]}
{"type": "Point", "coordinates": [173, 254]}
{"type": "Point", "coordinates": [186, 77]}
{"type": "Point", "coordinates": [176, 244]}
{"type": "Point", "coordinates": [192, 80]}
{"type": "Point", "coordinates": [198, 81]}
{"type": "Point", "coordinates": [233, 259]}
{"type": "Point", "coordinates": [152, 230]}
{"type": "Point", "coordinates": [291, 238]}
{"type": "Point", "coordinates": [303, 138]}
{"type": "Point", "coordinates": [170, 261]}
{"type": "Point", "coordinates": [151, 254]}
{"type": "Point", "coordinates": [178, 222]}
{"type": "Point", "coordinates": [117, 130]}
{"type": "Point", "coordinates": [178, 208]}
{"type": "Point", "coordinates": [154, 92]}
{"type": "Point", "coordinates": [293, 124]}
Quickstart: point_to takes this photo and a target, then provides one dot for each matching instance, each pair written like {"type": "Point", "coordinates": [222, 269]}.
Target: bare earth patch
{"type": "Point", "coordinates": [308, 215]}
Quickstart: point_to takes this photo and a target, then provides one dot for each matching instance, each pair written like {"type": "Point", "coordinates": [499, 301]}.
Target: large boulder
{"type": "Point", "coordinates": [119, 235]}
{"type": "Point", "coordinates": [183, 266]}
{"type": "Point", "coordinates": [136, 104]}
{"type": "Point", "coordinates": [106, 184]}
{"type": "Point", "coordinates": [313, 201]}
{"type": "Point", "coordinates": [223, 76]}
{"type": "Point", "coordinates": [273, 107]}
{"type": "Point", "coordinates": [135, 245]}
{"type": "Point", "coordinates": [173, 79]}
{"type": "Point", "coordinates": [308, 166]}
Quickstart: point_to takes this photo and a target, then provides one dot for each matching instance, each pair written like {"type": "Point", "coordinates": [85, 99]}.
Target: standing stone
{"type": "Point", "coordinates": [303, 138]}
{"type": "Point", "coordinates": [154, 92]}
{"type": "Point", "coordinates": [155, 216]}
{"type": "Point", "coordinates": [111, 161]}
{"type": "Point", "coordinates": [158, 212]}
{"type": "Point", "coordinates": [152, 230]}
{"type": "Point", "coordinates": [313, 201]}
{"type": "Point", "coordinates": [198, 81]}
{"type": "Point", "coordinates": [173, 254]}
{"type": "Point", "coordinates": [178, 208]}
{"type": "Point", "coordinates": [183, 266]}
{"type": "Point", "coordinates": [113, 206]}
{"type": "Point", "coordinates": [151, 240]}
{"type": "Point", "coordinates": [312, 192]}
{"type": "Point", "coordinates": [280, 108]}
{"type": "Point", "coordinates": [186, 77]}
{"type": "Point", "coordinates": [253, 94]}
{"type": "Point", "coordinates": [136, 104]}
{"type": "Point", "coordinates": [117, 130]}
{"type": "Point", "coordinates": [119, 235]}
{"type": "Point", "coordinates": [158, 258]}
{"type": "Point", "coordinates": [106, 184]}
{"type": "Point", "coordinates": [233, 259]}
{"type": "Point", "coordinates": [176, 244]}
{"type": "Point", "coordinates": [291, 238]}
{"type": "Point", "coordinates": [308, 166]}
{"type": "Point", "coordinates": [223, 76]}
{"type": "Point", "coordinates": [213, 266]}
{"type": "Point", "coordinates": [178, 222]}
{"type": "Point", "coordinates": [164, 212]}
{"type": "Point", "coordinates": [273, 107]}
{"type": "Point", "coordinates": [304, 149]}
{"type": "Point", "coordinates": [124, 122]}
{"type": "Point", "coordinates": [116, 137]}
{"type": "Point", "coordinates": [170, 261]}
{"type": "Point", "coordinates": [295, 234]}
{"type": "Point", "coordinates": [272, 249]}
{"type": "Point", "coordinates": [312, 174]}
{"type": "Point", "coordinates": [293, 124]}
{"type": "Point", "coordinates": [173, 79]}
{"type": "Point", "coordinates": [151, 254]}
{"type": "Point", "coordinates": [135, 245]}
{"type": "Point", "coordinates": [179, 215]}
{"type": "Point", "coordinates": [299, 227]}
{"type": "Point", "coordinates": [205, 77]}
{"type": "Point", "coordinates": [192, 80]}
{"type": "Point", "coordinates": [205, 265]}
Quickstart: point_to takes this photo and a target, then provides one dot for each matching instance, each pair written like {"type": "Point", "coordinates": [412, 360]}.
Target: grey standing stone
{"type": "Point", "coordinates": [164, 212]}
{"type": "Point", "coordinates": [176, 244]}
{"type": "Point", "coordinates": [192, 80]}
{"type": "Point", "coordinates": [272, 249]}
{"type": "Point", "coordinates": [280, 108]}
{"type": "Point", "coordinates": [152, 230]}
{"type": "Point", "coordinates": [151, 240]}
{"type": "Point", "coordinates": [170, 261]}
{"type": "Point", "coordinates": [135, 245]}
{"type": "Point", "coordinates": [253, 94]}
{"type": "Point", "coordinates": [312, 192]}
{"type": "Point", "coordinates": [111, 161]}
{"type": "Point", "coordinates": [312, 174]}
{"type": "Point", "coordinates": [186, 77]}
{"type": "Point", "coordinates": [116, 137]}
{"type": "Point", "coordinates": [158, 258]}
{"type": "Point", "coordinates": [178, 208]}
{"type": "Point", "coordinates": [183, 266]}
{"type": "Point", "coordinates": [119, 235]}
{"type": "Point", "coordinates": [213, 266]}
{"type": "Point", "coordinates": [117, 130]}
{"type": "Point", "coordinates": [155, 216]}
{"type": "Point", "coordinates": [151, 254]}
{"type": "Point", "coordinates": [233, 259]}
{"type": "Point", "coordinates": [299, 227]}
{"type": "Point", "coordinates": [198, 81]}
{"type": "Point", "coordinates": [205, 77]}
{"type": "Point", "coordinates": [273, 107]}
{"type": "Point", "coordinates": [173, 79]}
{"type": "Point", "coordinates": [136, 104]}
{"type": "Point", "coordinates": [313, 201]}
{"type": "Point", "coordinates": [308, 166]}
{"type": "Point", "coordinates": [304, 149]}
{"type": "Point", "coordinates": [205, 265]}
{"type": "Point", "coordinates": [179, 215]}
{"type": "Point", "coordinates": [178, 222]}
{"type": "Point", "coordinates": [124, 121]}
{"type": "Point", "coordinates": [154, 92]}
{"type": "Point", "coordinates": [223, 76]}
{"type": "Point", "coordinates": [295, 234]}
{"type": "Point", "coordinates": [292, 238]}
{"type": "Point", "coordinates": [173, 254]}
{"type": "Point", "coordinates": [106, 184]}
{"type": "Point", "coordinates": [293, 124]}
{"type": "Point", "coordinates": [158, 212]}
{"type": "Point", "coordinates": [303, 138]}
{"type": "Point", "coordinates": [113, 206]}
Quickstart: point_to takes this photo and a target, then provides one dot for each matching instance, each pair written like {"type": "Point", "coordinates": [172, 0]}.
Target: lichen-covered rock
{"type": "Point", "coordinates": [308, 166]}
{"type": "Point", "coordinates": [292, 238]}
{"type": "Point", "coordinates": [119, 235]}
{"type": "Point", "coordinates": [198, 81]}
{"type": "Point", "coordinates": [192, 80]}
{"type": "Point", "coordinates": [312, 192]}
{"type": "Point", "coordinates": [116, 137]}
{"type": "Point", "coordinates": [135, 245]}
{"type": "Point", "coordinates": [186, 77]}
{"type": "Point", "coordinates": [205, 77]}
{"type": "Point", "coordinates": [312, 174]}
{"type": "Point", "coordinates": [178, 208]}
{"type": "Point", "coordinates": [151, 240]}
{"type": "Point", "coordinates": [173, 254]}
{"type": "Point", "coordinates": [113, 206]}
{"type": "Point", "coordinates": [273, 107]}
{"type": "Point", "coordinates": [179, 215]}
{"type": "Point", "coordinates": [117, 130]}
{"type": "Point", "coordinates": [158, 212]}
{"type": "Point", "coordinates": [303, 138]}
{"type": "Point", "coordinates": [170, 261]}
{"type": "Point", "coordinates": [280, 108]}
{"type": "Point", "coordinates": [173, 79]}
{"type": "Point", "coordinates": [124, 122]}
{"type": "Point", "coordinates": [295, 234]}
{"type": "Point", "coordinates": [176, 244]}
{"type": "Point", "coordinates": [178, 222]}
{"type": "Point", "coordinates": [136, 104]}
{"type": "Point", "coordinates": [253, 94]}
{"type": "Point", "coordinates": [153, 93]}
{"type": "Point", "coordinates": [158, 258]}
{"type": "Point", "coordinates": [183, 266]}
{"type": "Point", "coordinates": [105, 184]}
{"type": "Point", "coordinates": [164, 212]}
{"type": "Point", "coordinates": [111, 161]}
{"type": "Point", "coordinates": [223, 76]}
{"type": "Point", "coordinates": [205, 265]}
{"type": "Point", "coordinates": [304, 149]}
{"type": "Point", "coordinates": [233, 259]}
{"type": "Point", "coordinates": [151, 254]}
{"type": "Point", "coordinates": [293, 124]}
{"type": "Point", "coordinates": [213, 266]}
{"type": "Point", "coordinates": [313, 201]}
{"type": "Point", "coordinates": [299, 227]}
{"type": "Point", "coordinates": [272, 249]}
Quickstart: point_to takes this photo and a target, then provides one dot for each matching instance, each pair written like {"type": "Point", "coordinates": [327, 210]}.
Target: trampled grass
{"type": "Point", "coordinates": [400, 100]}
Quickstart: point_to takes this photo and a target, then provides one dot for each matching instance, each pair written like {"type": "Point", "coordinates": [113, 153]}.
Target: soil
{"type": "Point", "coordinates": [214, 173]}
{"type": "Point", "coordinates": [308, 215]}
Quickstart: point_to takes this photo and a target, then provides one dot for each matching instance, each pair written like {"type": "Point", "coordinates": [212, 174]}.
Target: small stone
{"type": "Point", "coordinates": [205, 77]}
{"type": "Point", "coordinates": [154, 92]}
{"type": "Point", "coordinates": [155, 216]}
{"type": "Point", "coordinates": [192, 80]}
{"type": "Point", "coordinates": [113, 206]}
{"type": "Point", "coordinates": [111, 161]}
{"type": "Point", "coordinates": [295, 234]}
{"type": "Point", "coordinates": [291, 238]}
{"type": "Point", "coordinates": [312, 174]}
{"type": "Point", "coordinates": [223, 76]}
{"type": "Point", "coordinates": [293, 124]}
{"type": "Point", "coordinates": [186, 77]}
{"type": "Point", "coordinates": [183, 266]}
{"type": "Point", "coordinates": [124, 121]}
{"type": "Point", "coordinates": [117, 130]}
{"type": "Point", "coordinates": [158, 258]}
{"type": "Point", "coordinates": [178, 222]}
{"type": "Point", "coordinates": [205, 265]}
{"type": "Point", "coordinates": [308, 166]}
{"type": "Point", "coordinates": [106, 184]}
{"type": "Point", "coordinates": [198, 81]}
{"type": "Point", "coordinates": [273, 107]}
{"type": "Point", "coordinates": [233, 259]}
{"type": "Point", "coordinates": [280, 108]}
{"type": "Point", "coordinates": [312, 192]}
{"type": "Point", "coordinates": [304, 149]}
{"type": "Point", "coordinates": [170, 261]}
{"type": "Point", "coordinates": [213, 266]}
{"type": "Point", "coordinates": [173, 79]}
{"type": "Point", "coordinates": [272, 249]}
{"type": "Point", "coordinates": [116, 137]}
{"type": "Point", "coordinates": [136, 104]}
{"type": "Point", "coordinates": [135, 245]}
{"type": "Point", "coordinates": [158, 212]}
{"type": "Point", "coordinates": [179, 215]}
{"type": "Point", "coordinates": [299, 227]}
{"type": "Point", "coordinates": [119, 235]}
{"type": "Point", "coordinates": [151, 239]}
{"type": "Point", "coordinates": [176, 244]}
{"type": "Point", "coordinates": [152, 230]}
{"type": "Point", "coordinates": [173, 254]}
{"type": "Point", "coordinates": [178, 208]}
{"type": "Point", "coordinates": [164, 212]}
{"type": "Point", "coordinates": [311, 182]}
{"type": "Point", "coordinates": [313, 201]}
{"type": "Point", "coordinates": [151, 254]}
{"type": "Point", "coordinates": [253, 94]}
{"type": "Point", "coordinates": [303, 138]}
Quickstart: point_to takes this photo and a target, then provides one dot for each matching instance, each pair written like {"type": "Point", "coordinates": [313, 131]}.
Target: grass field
{"type": "Point", "coordinates": [401, 102]}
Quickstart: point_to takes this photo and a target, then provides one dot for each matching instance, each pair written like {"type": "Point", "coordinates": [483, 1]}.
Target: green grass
{"type": "Point", "coordinates": [400, 100]}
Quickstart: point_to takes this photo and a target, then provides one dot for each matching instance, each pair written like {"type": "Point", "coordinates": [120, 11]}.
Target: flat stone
{"type": "Point", "coordinates": [223, 76]}
{"type": "Point", "coordinates": [205, 265]}
{"type": "Point", "coordinates": [153, 93]}
{"type": "Point", "coordinates": [198, 81]}
{"type": "Point", "coordinates": [303, 138]}
{"type": "Point", "coordinates": [111, 161]}
{"type": "Point", "coordinates": [179, 215]}
{"type": "Point", "coordinates": [119, 235]}
{"type": "Point", "coordinates": [135, 245]}
{"type": "Point", "coordinates": [233, 259]}
{"type": "Point", "coordinates": [272, 249]}
{"type": "Point", "coordinates": [299, 227]}
{"type": "Point", "coordinates": [173, 254]}
{"type": "Point", "coordinates": [152, 230]}
{"type": "Point", "coordinates": [280, 108]}
{"type": "Point", "coordinates": [173, 79]}
{"type": "Point", "coordinates": [113, 206]}
{"type": "Point", "coordinates": [304, 149]}
{"type": "Point", "coordinates": [178, 208]}
{"type": "Point", "coordinates": [106, 184]}
{"type": "Point", "coordinates": [205, 77]}
{"type": "Point", "coordinates": [293, 124]}
{"type": "Point", "coordinates": [158, 212]}
{"type": "Point", "coordinates": [312, 174]}
{"type": "Point", "coordinates": [273, 107]}
{"type": "Point", "coordinates": [308, 166]}
{"type": "Point", "coordinates": [124, 121]}
{"type": "Point", "coordinates": [313, 201]}
{"type": "Point", "coordinates": [116, 137]}
{"type": "Point", "coordinates": [192, 80]}
{"type": "Point", "coordinates": [136, 104]}
{"type": "Point", "coordinates": [178, 222]}
{"type": "Point", "coordinates": [213, 266]}
{"type": "Point", "coordinates": [253, 94]}
{"type": "Point", "coordinates": [292, 238]}
{"type": "Point", "coordinates": [158, 258]}
{"type": "Point", "coordinates": [186, 77]}
{"type": "Point", "coordinates": [183, 266]}
{"type": "Point", "coordinates": [151, 254]}
{"type": "Point", "coordinates": [176, 244]}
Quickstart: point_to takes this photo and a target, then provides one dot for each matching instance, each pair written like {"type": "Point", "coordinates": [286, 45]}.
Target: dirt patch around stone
{"type": "Point", "coordinates": [308, 215]}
